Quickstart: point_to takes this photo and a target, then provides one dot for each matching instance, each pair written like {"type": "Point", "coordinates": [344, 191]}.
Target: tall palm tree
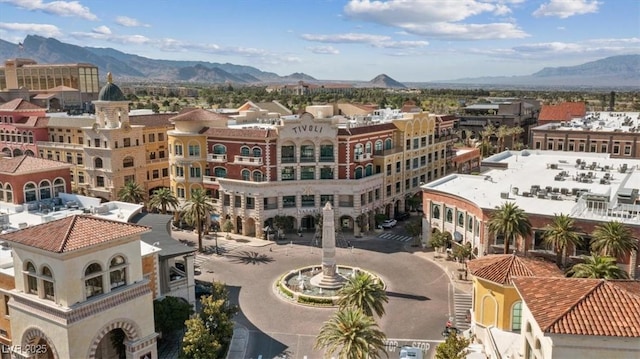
{"type": "Point", "coordinates": [613, 239]}
{"type": "Point", "coordinates": [502, 132]}
{"type": "Point", "coordinates": [595, 266]}
{"type": "Point", "coordinates": [560, 234]}
{"type": "Point", "coordinates": [195, 211]}
{"type": "Point", "coordinates": [365, 292]}
{"type": "Point", "coordinates": [162, 199]}
{"type": "Point", "coordinates": [131, 192]}
{"type": "Point", "coordinates": [511, 221]}
{"type": "Point", "coordinates": [486, 134]}
{"type": "Point", "coordinates": [352, 334]}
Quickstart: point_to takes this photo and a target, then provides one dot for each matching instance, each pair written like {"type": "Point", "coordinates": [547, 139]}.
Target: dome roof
{"type": "Point", "coordinates": [110, 91]}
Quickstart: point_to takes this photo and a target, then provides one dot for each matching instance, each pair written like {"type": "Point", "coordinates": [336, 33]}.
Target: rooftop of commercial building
{"type": "Point", "coordinates": [598, 122]}
{"type": "Point", "coordinates": [583, 185]}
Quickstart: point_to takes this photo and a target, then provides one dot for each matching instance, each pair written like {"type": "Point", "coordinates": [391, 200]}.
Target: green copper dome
{"type": "Point", "coordinates": [110, 91]}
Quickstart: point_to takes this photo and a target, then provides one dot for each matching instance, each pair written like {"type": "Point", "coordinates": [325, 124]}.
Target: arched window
{"type": "Point", "coordinates": [32, 279]}
{"type": "Point", "coordinates": [97, 162]}
{"type": "Point", "coordinates": [470, 224]}
{"type": "Point", "coordinates": [178, 150]}
{"type": "Point", "coordinates": [368, 170]}
{"type": "Point", "coordinates": [219, 150]}
{"type": "Point", "coordinates": [30, 137]}
{"type": "Point", "coordinates": [516, 317]}
{"type": "Point", "coordinates": [244, 151]}
{"type": "Point", "coordinates": [30, 192]}
{"type": "Point", "coordinates": [358, 172]}
{"type": "Point", "coordinates": [93, 284]}
{"type": "Point", "coordinates": [288, 153]}
{"type": "Point", "coordinates": [2, 135]}
{"type": "Point", "coordinates": [118, 272]}
{"type": "Point", "coordinates": [449, 215]}
{"type": "Point", "coordinates": [307, 153]}
{"type": "Point", "coordinates": [45, 189]}
{"type": "Point", "coordinates": [528, 328]}
{"type": "Point", "coordinates": [180, 193]}
{"type": "Point", "coordinates": [1, 192]}
{"type": "Point", "coordinates": [220, 172]}
{"type": "Point", "coordinates": [460, 219]}
{"type": "Point", "coordinates": [246, 175]}
{"type": "Point", "coordinates": [24, 138]}
{"type": "Point", "coordinates": [47, 284]}
{"type": "Point", "coordinates": [257, 152]}
{"type": "Point", "coordinates": [357, 151]}
{"type": "Point", "coordinates": [194, 149]}
{"type": "Point", "coordinates": [378, 146]}
{"type": "Point", "coordinates": [8, 193]}
{"type": "Point", "coordinates": [367, 148]}
{"type": "Point", "coordinates": [435, 211]}
{"type": "Point", "coordinates": [127, 162]}
{"type": "Point", "coordinates": [388, 144]}
{"type": "Point", "coordinates": [257, 176]}
{"type": "Point", "coordinates": [58, 187]}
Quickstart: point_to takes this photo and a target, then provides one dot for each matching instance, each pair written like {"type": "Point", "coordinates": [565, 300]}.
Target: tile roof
{"type": "Point", "coordinates": [583, 306]}
{"type": "Point", "coordinates": [19, 104]}
{"type": "Point", "coordinates": [73, 233]}
{"type": "Point", "coordinates": [239, 132]}
{"type": "Point", "coordinates": [199, 115]}
{"type": "Point", "coordinates": [35, 121]}
{"type": "Point", "coordinates": [366, 129]}
{"type": "Point", "coordinates": [562, 112]}
{"type": "Point", "coordinates": [502, 268]}
{"type": "Point", "coordinates": [274, 106]}
{"type": "Point", "coordinates": [155, 120]}
{"type": "Point", "coordinates": [26, 164]}
{"type": "Point", "coordinates": [72, 122]}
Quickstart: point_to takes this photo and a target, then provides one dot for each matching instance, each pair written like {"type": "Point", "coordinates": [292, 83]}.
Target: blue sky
{"type": "Point", "coordinates": [409, 40]}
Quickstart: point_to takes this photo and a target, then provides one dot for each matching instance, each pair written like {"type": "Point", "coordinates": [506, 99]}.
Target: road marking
{"type": "Point", "coordinates": [395, 237]}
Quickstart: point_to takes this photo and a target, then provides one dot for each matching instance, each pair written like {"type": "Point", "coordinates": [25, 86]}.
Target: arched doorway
{"type": "Point", "coordinates": [112, 345]}
{"type": "Point", "coordinates": [6, 152]}
{"type": "Point", "coordinates": [238, 224]}
{"type": "Point", "coordinates": [42, 346]}
{"type": "Point", "coordinates": [17, 152]}
{"type": "Point", "coordinates": [251, 227]}
{"type": "Point", "coordinates": [347, 223]}
{"type": "Point", "coordinates": [29, 153]}
{"type": "Point", "coordinates": [387, 210]}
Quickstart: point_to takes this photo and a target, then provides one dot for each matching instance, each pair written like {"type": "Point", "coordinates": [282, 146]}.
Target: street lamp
{"type": "Point", "coordinates": [215, 236]}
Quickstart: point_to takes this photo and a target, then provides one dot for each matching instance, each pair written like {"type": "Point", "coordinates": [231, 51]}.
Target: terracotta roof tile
{"type": "Point", "coordinates": [239, 132]}
{"type": "Point", "coordinates": [19, 104]}
{"type": "Point", "coordinates": [73, 233]}
{"type": "Point", "coordinates": [155, 120]}
{"type": "Point", "coordinates": [502, 268]}
{"type": "Point", "coordinates": [25, 164]}
{"type": "Point", "coordinates": [583, 306]}
{"type": "Point", "coordinates": [562, 112]}
{"type": "Point", "coordinates": [199, 115]}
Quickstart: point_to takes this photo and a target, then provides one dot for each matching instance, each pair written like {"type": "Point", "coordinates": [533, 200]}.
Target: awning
{"type": "Point", "coordinates": [44, 96]}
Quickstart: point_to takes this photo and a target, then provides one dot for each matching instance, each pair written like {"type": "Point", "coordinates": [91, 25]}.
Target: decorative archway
{"type": "Point", "coordinates": [251, 227]}
{"type": "Point", "coordinates": [130, 329]}
{"type": "Point", "coordinates": [17, 152]}
{"type": "Point", "coordinates": [34, 337]}
{"type": "Point", "coordinates": [346, 223]}
{"type": "Point", "coordinates": [238, 225]}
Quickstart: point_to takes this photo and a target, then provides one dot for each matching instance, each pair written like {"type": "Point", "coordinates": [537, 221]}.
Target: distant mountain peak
{"type": "Point", "coordinates": [385, 81]}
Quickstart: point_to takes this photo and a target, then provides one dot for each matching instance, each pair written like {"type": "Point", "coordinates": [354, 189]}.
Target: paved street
{"type": "Point", "coordinates": [420, 297]}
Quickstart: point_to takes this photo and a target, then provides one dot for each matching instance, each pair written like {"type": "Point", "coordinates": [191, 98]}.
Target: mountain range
{"type": "Point", "coordinates": [611, 72]}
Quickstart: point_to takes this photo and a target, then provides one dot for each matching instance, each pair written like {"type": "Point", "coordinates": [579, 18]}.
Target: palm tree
{"type": "Point", "coordinates": [131, 192]}
{"type": "Point", "coordinates": [352, 334]}
{"type": "Point", "coordinates": [486, 134]}
{"type": "Point", "coordinates": [502, 132]}
{"type": "Point", "coordinates": [511, 221]}
{"type": "Point", "coordinates": [163, 198]}
{"type": "Point", "coordinates": [560, 234]}
{"type": "Point", "coordinates": [195, 211]}
{"type": "Point", "coordinates": [613, 239]}
{"type": "Point", "coordinates": [596, 266]}
{"type": "Point", "coordinates": [365, 292]}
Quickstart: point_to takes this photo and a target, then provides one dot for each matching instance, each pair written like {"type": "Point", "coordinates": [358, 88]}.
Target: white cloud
{"type": "Point", "coordinates": [45, 30]}
{"type": "Point", "coordinates": [118, 39]}
{"type": "Point", "coordinates": [440, 19]}
{"type": "Point", "coordinates": [59, 8]}
{"type": "Point", "coordinates": [323, 50]}
{"type": "Point", "coordinates": [102, 30]}
{"type": "Point", "coordinates": [381, 41]}
{"type": "Point", "coordinates": [556, 49]}
{"type": "Point", "coordinates": [129, 22]}
{"type": "Point", "coordinates": [567, 8]}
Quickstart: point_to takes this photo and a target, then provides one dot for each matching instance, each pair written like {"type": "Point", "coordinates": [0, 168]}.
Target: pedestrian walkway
{"type": "Point", "coordinates": [394, 237]}
{"type": "Point", "coordinates": [462, 305]}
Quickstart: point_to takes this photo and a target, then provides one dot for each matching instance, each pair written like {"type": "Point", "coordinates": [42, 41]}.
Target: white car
{"type": "Point", "coordinates": [389, 223]}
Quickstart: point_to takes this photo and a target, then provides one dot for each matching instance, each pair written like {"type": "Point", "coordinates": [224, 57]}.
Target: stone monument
{"type": "Point", "coordinates": [329, 277]}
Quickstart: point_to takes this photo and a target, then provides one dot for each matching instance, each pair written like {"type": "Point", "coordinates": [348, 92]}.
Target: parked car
{"type": "Point", "coordinates": [203, 289]}
{"type": "Point", "coordinates": [402, 216]}
{"type": "Point", "coordinates": [389, 223]}
{"type": "Point", "coordinates": [407, 352]}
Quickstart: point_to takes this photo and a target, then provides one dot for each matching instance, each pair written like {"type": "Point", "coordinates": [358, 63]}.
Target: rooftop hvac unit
{"type": "Point", "coordinates": [504, 195]}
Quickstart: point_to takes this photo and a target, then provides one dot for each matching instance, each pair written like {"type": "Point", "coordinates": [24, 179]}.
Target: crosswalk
{"type": "Point", "coordinates": [394, 237]}
{"type": "Point", "coordinates": [462, 304]}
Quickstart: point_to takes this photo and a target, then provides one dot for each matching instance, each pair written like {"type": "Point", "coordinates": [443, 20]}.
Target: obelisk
{"type": "Point", "coordinates": [329, 278]}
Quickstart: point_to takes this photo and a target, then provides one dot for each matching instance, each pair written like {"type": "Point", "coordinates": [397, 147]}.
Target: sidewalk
{"type": "Point", "coordinates": [223, 238]}
{"type": "Point", "coordinates": [452, 268]}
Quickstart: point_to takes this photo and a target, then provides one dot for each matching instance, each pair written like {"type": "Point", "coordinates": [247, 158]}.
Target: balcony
{"type": "Point", "coordinates": [246, 160]}
{"type": "Point", "coordinates": [209, 180]}
{"type": "Point", "coordinates": [362, 157]}
{"type": "Point", "coordinates": [218, 158]}
{"type": "Point", "coordinates": [62, 145]}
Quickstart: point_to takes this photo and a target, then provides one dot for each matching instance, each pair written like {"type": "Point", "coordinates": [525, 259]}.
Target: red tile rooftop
{"type": "Point", "coordinates": [502, 268]}
{"type": "Point", "coordinates": [583, 306]}
{"type": "Point", "coordinates": [26, 164]}
{"type": "Point", "coordinates": [562, 112]}
{"type": "Point", "coordinates": [73, 233]}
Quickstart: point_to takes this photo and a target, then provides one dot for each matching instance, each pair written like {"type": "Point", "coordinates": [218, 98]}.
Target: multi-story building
{"type": "Point", "coordinates": [613, 133]}
{"type": "Point", "coordinates": [500, 112]}
{"type": "Point", "coordinates": [592, 188]}
{"type": "Point", "coordinates": [54, 85]}
{"type": "Point", "coordinates": [562, 112]}
{"type": "Point", "coordinates": [22, 124]}
{"type": "Point", "coordinates": [259, 171]}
